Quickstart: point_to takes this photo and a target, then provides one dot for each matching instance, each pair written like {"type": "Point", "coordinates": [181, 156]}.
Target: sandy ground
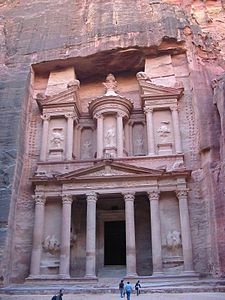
{"type": "Point", "coordinates": [155, 296]}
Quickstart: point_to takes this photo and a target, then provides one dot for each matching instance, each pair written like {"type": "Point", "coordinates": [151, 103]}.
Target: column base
{"type": "Point", "coordinates": [158, 274]}
{"type": "Point", "coordinates": [64, 276]}
{"type": "Point", "coordinates": [90, 277]}
{"type": "Point", "coordinates": [131, 275]}
{"type": "Point", "coordinates": [189, 273]}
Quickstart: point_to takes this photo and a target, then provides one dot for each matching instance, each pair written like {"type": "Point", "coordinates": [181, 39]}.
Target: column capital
{"type": "Point", "coordinates": [70, 115]}
{"type": "Point", "coordinates": [148, 110]}
{"type": "Point", "coordinates": [92, 196]}
{"type": "Point", "coordinates": [174, 108]}
{"type": "Point", "coordinates": [67, 199]}
{"type": "Point", "coordinates": [182, 194]}
{"type": "Point", "coordinates": [98, 116]}
{"type": "Point", "coordinates": [39, 199]}
{"type": "Point", "coordinates": [121, 114]}
{"type": "Point", "coordinates": [129, 196]}
{"type": "Point", "coordinates": [46, 117]}
{"type": "Point", "coordinates": [153, 195]}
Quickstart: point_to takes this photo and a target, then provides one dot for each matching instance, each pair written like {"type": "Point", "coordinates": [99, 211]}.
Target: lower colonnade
{"type": "Point", "coordinates": [67, 199]}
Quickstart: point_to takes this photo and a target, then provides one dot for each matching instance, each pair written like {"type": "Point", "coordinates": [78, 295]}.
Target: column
{"type": "Point", "coordinates": [176, 128]}
{"type": "Point", "coordinates": [99, 118]}
{"type": "Point", "coordinates": [131, 152]}
{"type": "Point", "coordinates": [130, 234]}
{"type": "Point", "coordinates": [64, 265]}
{"type": "Point", "coordinates": [44, 140]}
{"type": "Point", "coordinates": [91, 235]}
{"type": "Point", "coordinates": [156, 232]}
{"type": "Point", "coordinates": [119, 137]}
{"type": "Point", "coordinates": [150, 131]}
{"type": "Point", "coordinates": [37, 234]}
{"type": "Point", "coordinates": [185, 229]}
{"type": "Point", "coordinates": [69, 139]}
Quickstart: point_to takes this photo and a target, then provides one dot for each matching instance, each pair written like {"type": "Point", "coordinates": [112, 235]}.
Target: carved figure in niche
{"type": "Point", "coordinates": [51, 244]}
{"type": "Point", "coordinates": [110, 85]}
{"type": "Point", "coordinates": [143, 76]}
{"type": "Point", "coordinates": [110, 137]}
{"type": "Point", "coordinates": [73, 239]}
{"type": "Point", "coordinates": [164, 131]}
{"type": "Point", "coordinates": [57, 138]}
{"type": "Point", "coordinates": [173, 240]}
{"type": "Point", "coordinates": [86, 149]}
{"type": "Point", "coordinates": [139, 145]}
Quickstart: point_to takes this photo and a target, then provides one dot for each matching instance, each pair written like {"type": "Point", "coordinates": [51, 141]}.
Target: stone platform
{"type": "Point", "coordinates": [108, 287]}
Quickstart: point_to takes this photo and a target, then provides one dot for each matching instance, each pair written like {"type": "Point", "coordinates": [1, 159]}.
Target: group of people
{"type": "Point", "coordinates": [126, 289]}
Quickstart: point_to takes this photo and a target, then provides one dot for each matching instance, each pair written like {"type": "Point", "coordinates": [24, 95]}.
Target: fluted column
{"type": "Point", "coordinates": [176, 128]}
{"type": "Point", "coordinates": [130, 234]}
{"type": "Point", "coordinates": [44, 140]}
{"type": "Point", "coordinates": [156, 232]}
{"type": "Point", "coordinates": [91, 235]}
{"type": "Point", "coordinates": [150, 130]}
{"type": "Point", "coordinates": [69, 139]}
{"type": "Point", "coordinates": [65, 236]}
{"type": "Point", "coordinates": [37, 234]}
{"type": "Point", "coordinates": [99, 118]}
{"type": "Point", "coordinates": [185, 229]}
{"type": "Point", "coordinates": [119, 137]}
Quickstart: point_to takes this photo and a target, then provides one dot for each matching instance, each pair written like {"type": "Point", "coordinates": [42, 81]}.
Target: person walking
{"type": "Point", "coordinates": [128, 289]}
{"type": "Point", "coordinates": [137, 287]}
{"type": "Point", "coordinates": [121, 288]}
{"type": "Point", "coordinates": [59, 296]}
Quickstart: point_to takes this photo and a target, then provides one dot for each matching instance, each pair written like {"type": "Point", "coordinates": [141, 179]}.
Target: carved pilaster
{"type": "Point", "coordinates": [37, 234]}
{"type": "Point", "coordinates": [176, 127]}
{"type": "Point", "coordinates": [182, 195]}
{"type": "Point", "coordinates": [44, 140]}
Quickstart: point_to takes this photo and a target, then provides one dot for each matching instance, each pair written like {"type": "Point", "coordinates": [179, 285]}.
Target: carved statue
{"type": "Point", "coordinates": [139, 145]}
{"type": "Point", "coordinates": [110, 137]}
{"type": "Point", "coordinates": [164, 130]}
{"type": "Point", "coordinates": [51, 244]}
{"type": "Point", "coordinates": [110, 85]}
{"type": "Point", "coordinates": [57, 138]}
{"type": "Point", "coordinates": [86, 149]}
{"type": "Point", "coordinates": [143, 76]}
{"type": "Point", "coordinates": [173, 239]}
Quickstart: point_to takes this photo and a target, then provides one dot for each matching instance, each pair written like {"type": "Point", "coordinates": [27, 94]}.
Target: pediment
{"type": "Point", "coordinates": [151, 90]}
{"type": "Point", "coordinates": [111, 170]}
{"type": "Point", "coordinates": [68, 97]}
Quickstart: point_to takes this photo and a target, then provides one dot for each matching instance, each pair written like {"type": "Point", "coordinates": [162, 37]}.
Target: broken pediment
{"type": "Point", "coordinates": [110, 169]}
{"type": "Point", "coordinates": [151, 91]}
{"type": "Point", "coordinates": [66, 98]}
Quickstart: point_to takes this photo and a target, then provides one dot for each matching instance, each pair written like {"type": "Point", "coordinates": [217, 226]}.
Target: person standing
{"type": "Point", "coordinates": [137, 287]}
{"type": "Point", "coordinates": [128, 290]}
{"type": "Point", "coordinates": [121, 288]}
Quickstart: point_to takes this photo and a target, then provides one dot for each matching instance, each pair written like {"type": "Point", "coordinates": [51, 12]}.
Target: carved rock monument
{"type": "Point", "coordinates": [112, 139]}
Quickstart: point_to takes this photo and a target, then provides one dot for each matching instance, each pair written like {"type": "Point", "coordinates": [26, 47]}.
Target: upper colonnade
{"type": "Point", "coordinates": [112, 131]}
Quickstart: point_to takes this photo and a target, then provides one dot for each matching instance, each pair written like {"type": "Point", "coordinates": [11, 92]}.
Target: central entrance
{"type": "Point", "coordinates": [114, 243]}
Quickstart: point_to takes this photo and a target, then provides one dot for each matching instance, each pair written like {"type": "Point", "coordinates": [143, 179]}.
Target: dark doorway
{"type": "Point", "coordinates": [115, 243]}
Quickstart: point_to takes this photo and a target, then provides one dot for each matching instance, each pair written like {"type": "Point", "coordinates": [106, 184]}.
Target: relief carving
{"type": "Point", "coordinates": [164, 131]}
{"type": "Point", "coordinates": [173, 240]}
{"type": "Point", "coordinates": [143, 76]}
{"type": "Point", "coordinates": [57, 138]}
{"type": "Point", "coordinates": [110, 138]}
{"type": "Point", "coordinates": [110, 85]}
{"type": "Point", "coordinates": [51, 244]}
{"type": "Point", "coordinates": [87, 149]}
